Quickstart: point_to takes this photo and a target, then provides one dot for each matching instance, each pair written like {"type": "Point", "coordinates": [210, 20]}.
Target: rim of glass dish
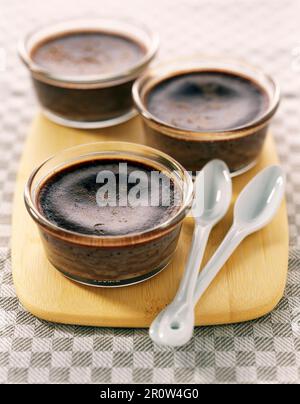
{"type": "Point", "coordinates": [35, 68]}
{"type": "Point", "coordinates": [138, 237]}
{"type": "Point", "coordinates": [216, 64]}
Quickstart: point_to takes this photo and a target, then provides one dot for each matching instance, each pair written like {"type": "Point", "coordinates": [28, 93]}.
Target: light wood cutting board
{"type": "Point", "coordinates": [249, 286]}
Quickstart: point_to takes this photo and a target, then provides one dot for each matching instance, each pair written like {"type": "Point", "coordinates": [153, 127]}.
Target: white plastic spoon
{"type": "Point", "coordinates": [254, 209]}
{"type": "Point", "coordinates": [213, 193]}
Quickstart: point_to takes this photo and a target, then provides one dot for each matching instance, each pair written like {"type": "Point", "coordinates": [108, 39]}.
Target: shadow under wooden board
{"type": "Point", "coordinates": [249, 286]}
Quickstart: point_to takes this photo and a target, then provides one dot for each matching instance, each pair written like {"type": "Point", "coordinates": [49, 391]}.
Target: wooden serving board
{"type": "Point", "coordinates": [249, 286]}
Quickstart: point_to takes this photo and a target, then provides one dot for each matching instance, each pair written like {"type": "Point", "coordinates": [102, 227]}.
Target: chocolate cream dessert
{"type": "Point", "coordinates": [86, 77]}
{"type": "Point", "coordinates": [103, 245]}
{"type": "Point", "coordinates": [196, 116]}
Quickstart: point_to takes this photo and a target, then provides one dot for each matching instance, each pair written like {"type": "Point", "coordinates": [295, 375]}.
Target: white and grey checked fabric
{"type": "Point", "coordinates": [266, 33]}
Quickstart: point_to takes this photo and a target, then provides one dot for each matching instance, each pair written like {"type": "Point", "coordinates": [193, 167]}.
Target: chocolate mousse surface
{"type": "Point", "coordinates": [68, 198]}
{"type": "Point", "coordinates": [87, 53]}
{"type": "Point", "coordinates": [207, 101]}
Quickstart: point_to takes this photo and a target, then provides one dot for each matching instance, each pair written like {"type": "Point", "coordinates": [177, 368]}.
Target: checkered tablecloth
{"type": "Point", "coordinates": [266, 33]}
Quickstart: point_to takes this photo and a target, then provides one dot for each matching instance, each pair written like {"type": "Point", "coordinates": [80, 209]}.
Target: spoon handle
{"type": "Point", "coordinates": [217, 261]}
{"type": "Point", "coordinates": [187, 285]}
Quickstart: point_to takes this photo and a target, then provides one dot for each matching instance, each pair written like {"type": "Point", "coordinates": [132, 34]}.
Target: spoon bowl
{"type": "Point", "coordinates": [213, 192]}
{"type": "Point", "coordinates": [260, 199]}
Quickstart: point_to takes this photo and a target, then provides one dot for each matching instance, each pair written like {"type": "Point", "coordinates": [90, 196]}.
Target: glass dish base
{"type": "Point", "coordinates": [244, 169]}
{"type": "Point", "coordinates": [116, 284]}
{"type": "Point", "coordinates": [89, 125]}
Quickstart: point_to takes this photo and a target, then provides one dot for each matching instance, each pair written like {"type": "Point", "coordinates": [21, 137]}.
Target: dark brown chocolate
{"type": "Point", "coordinates": [87, 53]}
{"type": "Point", "coordinates": [69, 199]}
{"type": "Point", "coordinates": [204, 106]}
{"type": "Point", "coordinates": [239, 152]}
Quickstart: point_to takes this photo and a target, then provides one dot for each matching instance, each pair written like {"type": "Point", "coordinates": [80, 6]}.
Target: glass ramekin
{"type": "Point", "coordinates": [239, 147]}
{"type": "Point", "coordinates": [110, 260]}
{"type": "Point", "coordinates": [88, 101]}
